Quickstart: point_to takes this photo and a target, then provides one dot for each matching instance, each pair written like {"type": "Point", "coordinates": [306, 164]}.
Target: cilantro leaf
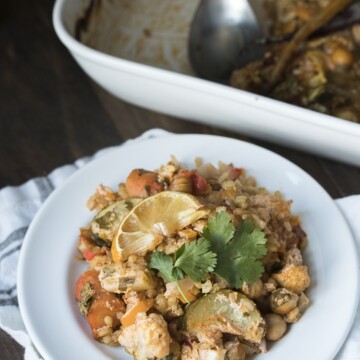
{"type": "Point", "coordinates": [195, 259]}
{"type": "Point", "coordinates": [251, 240]}
{"type": "Point", "coordinates": [251, 269]}
{"type": "Point", "coordinates": [219, 230]}
{"type": "Point", "coordinates": [178, 274]}
{"type": "Point", "coordinates": [234, 254]}
{"type": "Point", "coordinates": [239, 253]}
{"type": "Point", "coordinates": [163, 263]}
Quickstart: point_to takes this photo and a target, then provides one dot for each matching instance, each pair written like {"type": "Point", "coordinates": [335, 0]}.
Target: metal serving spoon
{"type": "Point", "coordinates": [227, 34]}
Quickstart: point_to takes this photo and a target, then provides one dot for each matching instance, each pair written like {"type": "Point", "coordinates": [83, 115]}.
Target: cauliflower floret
{"type": "Point", "coordinates": [293, 278]}
{"type": "Point", "coordinates": [148, 338]}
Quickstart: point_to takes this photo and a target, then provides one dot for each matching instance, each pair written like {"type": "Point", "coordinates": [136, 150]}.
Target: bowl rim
{"type": "Point", "coordinates": [264, 103]}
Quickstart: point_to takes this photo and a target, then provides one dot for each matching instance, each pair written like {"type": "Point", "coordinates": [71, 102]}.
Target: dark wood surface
{"type": "Point", "coordinates": [51, 114]}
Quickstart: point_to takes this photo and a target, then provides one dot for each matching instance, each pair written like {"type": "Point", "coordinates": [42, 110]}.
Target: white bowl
{"type": "Point", "coordinates": [48, 266]}
{"type": "Point", "coordinates": [176, 92]}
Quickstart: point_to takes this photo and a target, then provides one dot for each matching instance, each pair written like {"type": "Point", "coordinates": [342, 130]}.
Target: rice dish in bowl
{"type": "Point", "coordinates": [192, 264]}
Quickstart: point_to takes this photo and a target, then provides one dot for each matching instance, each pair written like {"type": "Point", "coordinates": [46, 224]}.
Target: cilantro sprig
{"type": "Point", "coordinates": [239, 251]}
{"type": "Point", "coordinates": [233, 253]}
{"type": "Point", "coordinates": [193, 259]}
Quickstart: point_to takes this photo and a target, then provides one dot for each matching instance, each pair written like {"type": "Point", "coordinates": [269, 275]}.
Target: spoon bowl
{"type": "Point", "coordinates": [228, 34]}
{"type": "Point", "coordinates": [220, 31]}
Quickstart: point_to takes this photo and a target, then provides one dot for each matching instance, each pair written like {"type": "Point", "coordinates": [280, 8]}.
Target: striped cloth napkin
{"type": "Point", "coordinates": [19, 204]}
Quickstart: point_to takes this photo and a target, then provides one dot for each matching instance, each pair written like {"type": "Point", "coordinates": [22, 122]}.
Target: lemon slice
{"type": "Point", "coordinates": [152, 219]}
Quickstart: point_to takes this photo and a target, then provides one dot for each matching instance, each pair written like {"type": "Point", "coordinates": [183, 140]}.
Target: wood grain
{"type": "Point", "coordinates": [51, 114]}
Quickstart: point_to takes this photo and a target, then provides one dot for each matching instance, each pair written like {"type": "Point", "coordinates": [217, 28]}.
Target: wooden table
{"type": "Point", "coordinates": [51, 114]}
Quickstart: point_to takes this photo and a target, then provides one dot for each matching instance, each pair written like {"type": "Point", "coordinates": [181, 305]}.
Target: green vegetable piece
{"type": "Point", "coordinates": [239, 252]}
{"type": "Point", "coordinates": [141, 282]}
{"type": "Point", "coordinates": [114, 279]}
{"type": "Point", "coordinates": [107, 221]}
{"type": "Point", "coordinates": [227, 311]}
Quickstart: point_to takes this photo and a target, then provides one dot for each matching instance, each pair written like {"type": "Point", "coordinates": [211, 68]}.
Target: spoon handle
{"type": "Point", "coordinates": [346, 18]}
{"type": "Point", "coordinates": [303, 33]}
{"type": "Point", "coordinates": [349, 16]}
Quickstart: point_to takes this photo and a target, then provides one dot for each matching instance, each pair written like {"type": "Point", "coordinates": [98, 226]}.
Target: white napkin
{"type": "Point", "coordinates": [19, 204]}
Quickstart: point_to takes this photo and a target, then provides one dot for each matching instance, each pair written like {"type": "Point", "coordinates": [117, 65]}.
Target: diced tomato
{"type": "Point", "coordinates": [199, 184]}
{"type": "Point", "coordinates": [89, 255]}
{"type": "Point", "coordinates": [235, 173]}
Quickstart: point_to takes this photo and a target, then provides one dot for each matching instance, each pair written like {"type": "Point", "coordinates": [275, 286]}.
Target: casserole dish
{"type": "Point", "coordinates": [143, 60]}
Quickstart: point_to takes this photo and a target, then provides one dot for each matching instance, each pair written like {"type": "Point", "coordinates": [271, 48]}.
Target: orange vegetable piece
{"type": "Point", "coordinates": [104, 304]}
{"type": "Point", "coordinates": [186, 285]}
{"type": "Point", "coordinates": [189, 296]}
{"type": "Point", "coordinates": [90, 277]}
{"type": "Point", "coordinates": [130, 315]}
{"type": "Point", "coordinates": [142, 183]}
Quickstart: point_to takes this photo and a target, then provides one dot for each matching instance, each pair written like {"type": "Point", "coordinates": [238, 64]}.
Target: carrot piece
{"type": "Point", "coordinates": [130, 315]}
{"type": "Point", "coordinates": [102, 304]}
{"type": "Point", "coordinates": [142, 183]}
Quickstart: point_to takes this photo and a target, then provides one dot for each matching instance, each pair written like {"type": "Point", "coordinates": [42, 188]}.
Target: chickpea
{"type": "Point", "coordinates": [275, 327]}
{"type": "Point", "coordinates": [293, 316]}
{"type": "Point", "coordinates": [303, 302]}
{"type": "Point", "coordinates": [282, 301]}
{"type": "Point", "coordinates": [341, 57]}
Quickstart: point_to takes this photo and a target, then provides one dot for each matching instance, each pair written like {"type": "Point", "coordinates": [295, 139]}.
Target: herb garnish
{"type": "Point", "coordinates": [234, 254]}
{"type": "Point", "coordinates": [193, 259]}
{"type": "Point", "coordinates": [239, 251]}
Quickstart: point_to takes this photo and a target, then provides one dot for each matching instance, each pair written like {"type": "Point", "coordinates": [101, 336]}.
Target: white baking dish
{"type": "Point", "coordinates": [157, 76]}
